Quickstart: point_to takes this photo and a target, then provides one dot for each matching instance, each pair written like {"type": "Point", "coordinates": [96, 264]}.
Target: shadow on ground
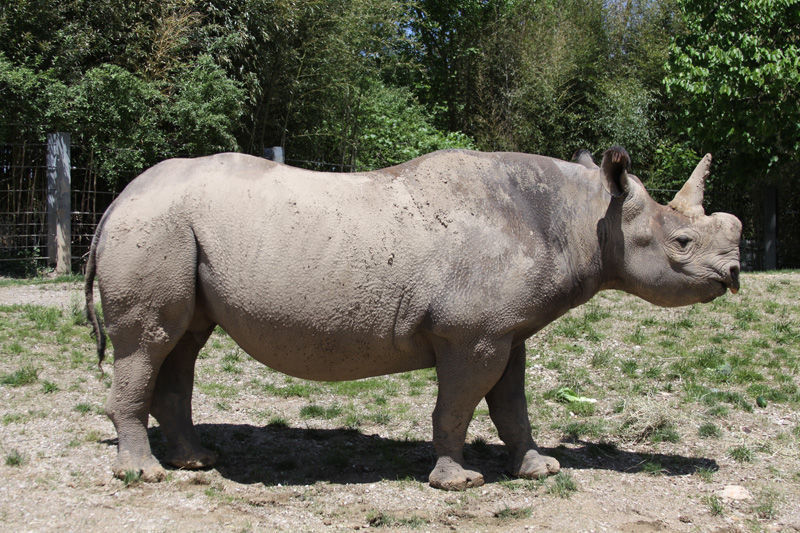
{"type": "Point", "coordinates": [275, 454]}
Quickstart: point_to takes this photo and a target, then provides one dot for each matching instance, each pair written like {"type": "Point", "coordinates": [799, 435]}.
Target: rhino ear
{"type": "Point", "coordinates": [584, 157]}
{"type": "Point", "coordinates": [615, 166]}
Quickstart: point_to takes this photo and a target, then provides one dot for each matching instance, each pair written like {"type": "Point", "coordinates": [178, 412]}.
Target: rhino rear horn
{"type": "Point", "coordinates": [615, 166]}
{"type": "Point", "coordinates": [689, 199]}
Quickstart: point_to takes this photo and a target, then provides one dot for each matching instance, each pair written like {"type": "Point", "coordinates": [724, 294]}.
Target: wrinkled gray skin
{"type": "Point", "coordinates": [450, 261]}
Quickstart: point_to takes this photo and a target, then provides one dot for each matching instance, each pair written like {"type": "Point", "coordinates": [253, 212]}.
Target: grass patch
{"type": "Point", "coordinates": [14, 458]}
{"type": "Point", "coordinates": [513, 513]}
{"type": "Point", "coordinates": [741, 454]}
{"type": "Point", "coordinates": [131, 477]}
{"type": "Point", "coordinates": [653, 468]}
{"type": "Point", "coordinates": [562, 485]}
{"type": "Point", "coordinates": [318, 411]}
{"type": "Point", "coordinates": [709, 430]}
{"type": "Point", "coordinates": [714, 504]}
{"type": "Point", "coordinates": [23, 376]}
{"type": "Point", "coordinates": [766, 503]}
{"type": "Point", "coordinates": [384, 519]}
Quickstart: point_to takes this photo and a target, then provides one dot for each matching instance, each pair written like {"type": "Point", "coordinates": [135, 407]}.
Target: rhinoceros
{"type": "Point", "coordinates": [451, 260]}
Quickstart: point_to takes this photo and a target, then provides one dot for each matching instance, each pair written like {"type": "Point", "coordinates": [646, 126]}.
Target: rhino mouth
{"type": "Point", "coordinates": [733, 283]}
{"type": "Point", "coordinates": [728, 281]}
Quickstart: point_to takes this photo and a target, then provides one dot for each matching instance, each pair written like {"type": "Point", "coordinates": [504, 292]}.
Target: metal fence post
{"type": "Point", "coordinates": [59, 231]}
{"type": "Point", "coordinates": [770, 228]}
{"type": "Point", "coordinates": [274, 153]}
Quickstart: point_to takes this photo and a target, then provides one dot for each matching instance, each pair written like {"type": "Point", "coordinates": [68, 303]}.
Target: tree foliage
{"type": "Point", "coordinates": [365, 83]}
{"type": "Point", "coordinates": [736, 72]}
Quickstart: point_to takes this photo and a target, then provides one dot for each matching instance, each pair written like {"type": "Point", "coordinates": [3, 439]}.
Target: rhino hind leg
{"type": "Point", "coordinates": [508, 409]}
{"type": "Point", "coordinates": [172, 400]}
{"type": "Point", "coordinates": [141, 345]}
{"type": "Point", "coordinates": [128, 407]}
{"type": "Point", "coordinates": [466, 374]}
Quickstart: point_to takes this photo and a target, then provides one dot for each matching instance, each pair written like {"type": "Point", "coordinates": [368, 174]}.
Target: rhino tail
{"type": "Point", "coordinates": [91, 314]}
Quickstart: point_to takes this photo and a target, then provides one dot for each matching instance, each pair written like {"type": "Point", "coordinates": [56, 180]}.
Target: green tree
{"type": "Point", "coordinates": [736, 74]}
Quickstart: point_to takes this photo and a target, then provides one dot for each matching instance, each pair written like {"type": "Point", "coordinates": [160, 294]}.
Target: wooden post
{"type": "Point", "coordinates": [770, 227]}
{"type": "Point", "coordinates": [59, 226]}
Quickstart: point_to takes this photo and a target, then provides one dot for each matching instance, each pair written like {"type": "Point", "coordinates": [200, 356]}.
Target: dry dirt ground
{"type": "Point", "coordinates": [359, 459]}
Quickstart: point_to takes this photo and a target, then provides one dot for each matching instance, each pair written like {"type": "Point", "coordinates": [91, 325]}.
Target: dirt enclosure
{"type": "Point", "coordinates": [695, 428]}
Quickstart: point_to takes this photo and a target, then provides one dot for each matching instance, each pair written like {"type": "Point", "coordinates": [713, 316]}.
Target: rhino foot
{"type": "Point", "coordinates": [147, 468]}
{"type": "Point", "coordinates": [193, 459]}
{"type": "Point", "coordinates": [535, 466]}
{"type": "Point", "coordinates": [449, 475]}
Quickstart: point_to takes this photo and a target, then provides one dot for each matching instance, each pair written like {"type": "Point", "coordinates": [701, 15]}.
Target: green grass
{"type": "Point", "coordinates": [384, 519]}
{"type": "Point", "coordinates": [766, 503]}
{"type": "Point", "coordinates": [715, 506]}
{"type": "Point", "coordinates": [63, 278]}
{"type": "Point", "coordinates": [562, 485]}
{"type": "Point", "coordinates": [131, 477]}
{"type": "Point", "coordinates": [48, 387]}
{"type": "Point", "coordinates": [23, 376]}
{"type": "Point", "coordinates": [15, 458]}
{"type": "Point", "coordinates": [514, 513]}
{"type": "Point", "coordinates": [741, 454]}
{"type": "Point", "coordinates": [652, 468]}
{"type": "Point", "coordinates": [709, 430]}
{"type": "Point", "coordinates": [318, 411]}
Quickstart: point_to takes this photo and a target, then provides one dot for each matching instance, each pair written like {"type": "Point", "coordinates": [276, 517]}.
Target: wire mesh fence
{"type": "Point", "coordinates": [24, 192]}
{"type": "Point", "coordinates": [24, 229]}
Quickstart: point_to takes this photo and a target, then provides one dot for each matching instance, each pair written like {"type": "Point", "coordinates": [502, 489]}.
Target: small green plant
{"type": "Point", "coordinates": [352, 420]}
{"type": "Point", "coordinates": [600, 358]}
{"type": "Point", "coordinates": [131, 477]}
{"type": "Point", "coordinates": [652, 468]}
{"type": "Point", "coordinates": [562, 485]}
{"type": "Point", "coordinates": [766, 503]}
{"type": "Point", "coordinates": [317, 411]}
{"type": "Point", "coordinates": [509, 513]}
{"type": "Point", "coordinates": [706, 474]}
{"type": "Point", "coordinates": [665, 433]}
{"type": "Point", "coordinates": [581, 408]}
{"type": "Point", "coordinates": [714, 505]}
{"type": "Point", "coordinates": [49, 387]}
{"type": "Point", "coordinates": [741, 454]}
{"type": "Point", "coordinates": [24, 376]}
{"type": "Point", "coordinates": [15, 348]}
{"type": "Point", "coordinates": [588, 428]}
{"type": "Point", "coordinates": [384, 519]}
{"type": "Point", "coordinates": [43, 318]}
{"type": "Point", "coordinates": [77, 310]}
{"type": "Point", "coordinates": [277, 422]}
{"type": "Point", "coordinates": [14, 458]}
{"type": "Point", "coordinates": [709, 430]}
{"type": "Point", "coordinates": [83, 408]}
{"type": "Point", "coordinates": [480, 446]}
{"type": "Point", "coordinates": [629, 367]}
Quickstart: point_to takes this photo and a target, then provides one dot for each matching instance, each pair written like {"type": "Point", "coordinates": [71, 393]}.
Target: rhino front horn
{"type": "Point", "coordinates": [689, 199]}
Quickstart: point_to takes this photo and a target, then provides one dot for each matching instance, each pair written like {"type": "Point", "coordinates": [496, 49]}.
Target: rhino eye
{"type": "Point", "coordinates": [683, 240]}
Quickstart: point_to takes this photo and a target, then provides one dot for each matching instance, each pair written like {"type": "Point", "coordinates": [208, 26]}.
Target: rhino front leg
{"type": "Point", "coordinates": [172, 401]}
{"type": "Point", "coordinates": [466, 374]}
{"type": "Point", "coordinates": [508, 409]}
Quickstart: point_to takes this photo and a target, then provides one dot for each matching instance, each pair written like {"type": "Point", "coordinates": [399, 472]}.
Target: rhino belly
{"type": "Point", "coordinates": [336, 328]}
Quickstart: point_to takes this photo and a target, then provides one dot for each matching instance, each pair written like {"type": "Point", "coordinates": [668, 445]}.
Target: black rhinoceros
{"type": "Point", "coordinates": [451, 260]}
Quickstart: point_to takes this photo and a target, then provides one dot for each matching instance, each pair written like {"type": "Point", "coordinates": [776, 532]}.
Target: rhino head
{"type": "Point", "coordinates": [670, 254]}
